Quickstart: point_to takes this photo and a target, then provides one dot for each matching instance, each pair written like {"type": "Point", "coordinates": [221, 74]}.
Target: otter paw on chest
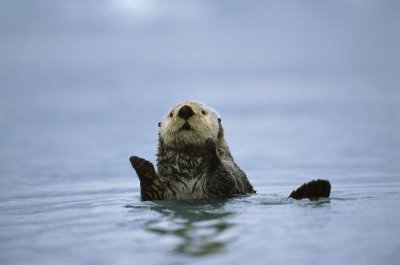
{"type": "Point", "coordinates": [193, 158]}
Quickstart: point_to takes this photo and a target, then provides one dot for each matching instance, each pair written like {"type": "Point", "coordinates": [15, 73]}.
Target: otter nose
{"type": "Point", "coordinates": [185, 112]}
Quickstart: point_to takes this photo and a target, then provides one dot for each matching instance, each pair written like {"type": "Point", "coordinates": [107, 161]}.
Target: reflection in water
{"type": "Point", "coordinates": [200, 226]}
{"type": "Point", "coordinates": [321, 202]}
{"type": "Point", "coordinates": [313, 203]}
{"type": "Point", "coordinates": [205, 227]}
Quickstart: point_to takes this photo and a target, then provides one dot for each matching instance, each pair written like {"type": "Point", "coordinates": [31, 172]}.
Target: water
{"type": "Point", "coordinates": [359, 224]}
{"type": "Point", "coordinates": [305, 90]}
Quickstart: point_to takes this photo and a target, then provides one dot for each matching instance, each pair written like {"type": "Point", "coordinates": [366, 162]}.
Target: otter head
{"type": "Point", "coordinates": [189, 123]}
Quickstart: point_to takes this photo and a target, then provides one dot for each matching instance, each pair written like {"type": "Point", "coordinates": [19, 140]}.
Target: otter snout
{"type": "Point", "coordinates": [185, 112]}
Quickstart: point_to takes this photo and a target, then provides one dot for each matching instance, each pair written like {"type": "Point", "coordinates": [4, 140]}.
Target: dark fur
{"type": "Point", "coordinates": [319, 188]}
{"type": "Point", "coordinates": [203, 172]}
{"type": "Point", "coordinates": [212, 164]}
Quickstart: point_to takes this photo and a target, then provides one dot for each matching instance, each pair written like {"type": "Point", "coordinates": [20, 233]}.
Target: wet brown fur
{"type": "Point", "coordinates": [196, 163]}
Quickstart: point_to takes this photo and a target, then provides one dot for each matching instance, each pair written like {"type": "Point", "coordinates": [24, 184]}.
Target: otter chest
{"type": "Point", "coordinates": [186, 176]}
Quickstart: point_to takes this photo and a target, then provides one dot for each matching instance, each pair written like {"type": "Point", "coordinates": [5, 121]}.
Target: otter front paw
{"type": "Point", "coordinates": [210, 152]}
{"type": "Point", "coordinates": [143, 168]}
{"type": "Point", "coordinates": [209, 146]}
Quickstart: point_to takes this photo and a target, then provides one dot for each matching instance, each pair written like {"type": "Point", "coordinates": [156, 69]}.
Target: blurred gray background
{"type": "Point", "coordinates": [306, 89]}
{"type": "Point", "coordinates": [303, 88]}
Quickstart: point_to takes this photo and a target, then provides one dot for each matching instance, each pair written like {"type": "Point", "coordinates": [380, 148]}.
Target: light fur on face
{"type": "Point", "coordinates": [204, 124]}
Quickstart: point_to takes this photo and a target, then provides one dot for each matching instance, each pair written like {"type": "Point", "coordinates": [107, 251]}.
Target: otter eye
{"type": "Point", "coordinates": [203, 112]}
{"type": "Point", "coordinates": [171, 114]}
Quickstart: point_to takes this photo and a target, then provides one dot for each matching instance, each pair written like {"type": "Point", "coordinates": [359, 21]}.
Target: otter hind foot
{"type": "Point", "coordinates": [319, 188]}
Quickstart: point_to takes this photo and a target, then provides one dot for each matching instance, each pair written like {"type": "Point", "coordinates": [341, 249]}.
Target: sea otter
{"type": "Point", "coordinates": [194, 160]}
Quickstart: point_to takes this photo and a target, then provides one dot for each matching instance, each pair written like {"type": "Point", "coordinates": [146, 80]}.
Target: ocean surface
{"type": "Point", "coordinates": [305, 90]}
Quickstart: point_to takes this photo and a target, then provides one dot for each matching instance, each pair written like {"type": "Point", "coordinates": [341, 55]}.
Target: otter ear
{"type": "Point", "coordinates": [221, 130]}
{"type": "Point", "coordinates": [159, 124]}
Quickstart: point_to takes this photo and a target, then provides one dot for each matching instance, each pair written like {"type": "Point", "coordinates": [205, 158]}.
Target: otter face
{"type": "Point", "coordinates": [189, 123]}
